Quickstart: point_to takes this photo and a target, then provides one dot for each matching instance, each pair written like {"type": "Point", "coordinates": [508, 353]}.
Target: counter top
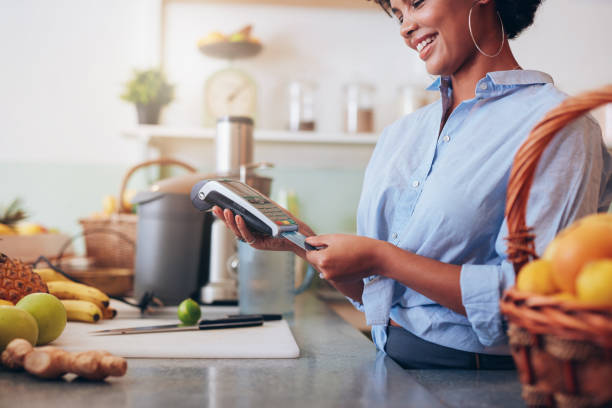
{"type": "Point", "coordinates": [338, 366]}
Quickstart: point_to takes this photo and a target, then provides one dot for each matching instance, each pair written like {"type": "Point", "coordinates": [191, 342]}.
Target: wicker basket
{"type": "Point", "coordinates": [562, 349]}
{"type": "Point", "coordinates": [111, 241]}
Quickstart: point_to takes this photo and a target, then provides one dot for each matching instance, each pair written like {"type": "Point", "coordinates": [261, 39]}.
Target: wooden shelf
{"type": "Point", "coordinates": [353, 4]}
{"type": "Point", "coordinates": [148, 132]}
{"type": "Point", "coordinates": [311, 149]}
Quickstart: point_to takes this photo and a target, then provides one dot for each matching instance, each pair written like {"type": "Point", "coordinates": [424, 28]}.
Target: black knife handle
{"type": "Point", "coordinates": [210, 325]}
{"type": "Point", "coordinates": [266, 317]}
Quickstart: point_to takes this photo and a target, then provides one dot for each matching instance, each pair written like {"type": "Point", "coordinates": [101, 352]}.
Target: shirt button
{"type": "Point", "coordinates": [483, 86]}
{"type": "Point", "coordinates": [415, 183]}
{"type": "Point", "coordinates": [394, 235]}
{"type": "Point", "coordinates": [446, 138]}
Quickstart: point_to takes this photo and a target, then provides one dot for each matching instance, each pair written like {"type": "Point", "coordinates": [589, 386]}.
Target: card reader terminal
{"type": "Point", "coordinates": [259, 212]}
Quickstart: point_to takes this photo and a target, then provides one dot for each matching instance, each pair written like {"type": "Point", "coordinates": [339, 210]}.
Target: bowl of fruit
{"type": "Point", "coordinates": [239, 44]}
{"type": "Point", "coordinates": [559, 312]}
{"type": "Point", "coordinates": [28, 240]}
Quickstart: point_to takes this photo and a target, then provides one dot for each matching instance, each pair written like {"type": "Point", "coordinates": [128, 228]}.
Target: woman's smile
{"type": "Point", "coordinates": [424, 45]}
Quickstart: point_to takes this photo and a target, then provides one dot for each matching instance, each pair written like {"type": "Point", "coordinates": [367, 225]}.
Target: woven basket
{"type": "Point", "coordinates": [562, 349]}
{"type": "Point", "coordinates": [111, 241]}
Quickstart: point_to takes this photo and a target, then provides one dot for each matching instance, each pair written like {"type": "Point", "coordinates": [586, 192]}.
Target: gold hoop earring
{"type": "Point", "coordinates": [501, 23]}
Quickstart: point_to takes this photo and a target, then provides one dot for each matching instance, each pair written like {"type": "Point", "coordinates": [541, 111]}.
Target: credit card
{"type": "Point", "coordinates": [300, 240]}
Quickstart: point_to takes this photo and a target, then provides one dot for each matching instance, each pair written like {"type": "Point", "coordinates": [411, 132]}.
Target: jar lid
{"type": "Point", "coordinates": [236, 119]}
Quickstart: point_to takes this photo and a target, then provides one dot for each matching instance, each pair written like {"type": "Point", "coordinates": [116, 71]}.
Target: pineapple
{"type": "Point", "coordinates": [10, 216]}
{"type": "Point", "coordinates": [17, 280]}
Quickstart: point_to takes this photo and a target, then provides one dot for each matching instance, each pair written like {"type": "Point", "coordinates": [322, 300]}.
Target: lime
{"type": "Point", "coordinates": [189, 312]}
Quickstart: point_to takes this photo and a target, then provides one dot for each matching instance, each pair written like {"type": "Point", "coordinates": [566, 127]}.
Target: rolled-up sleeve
{"type": "Point", "coordinates": [358, 305]}
{"type": "Point", "coordinates": [481, 289]}
{"type": "Point", "coordinates": [572, 180]}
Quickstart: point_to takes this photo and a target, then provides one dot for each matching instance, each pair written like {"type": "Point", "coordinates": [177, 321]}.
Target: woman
{"type": "Point", "coordinates": [428, 264]}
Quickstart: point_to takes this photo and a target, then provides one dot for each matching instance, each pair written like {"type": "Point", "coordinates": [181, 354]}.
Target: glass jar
{"type": "Point", "coordinates": [411, 98]}
{"type": "Point", "coordinates": [359, 108]}
{"type": "Point", "coordinates": [301, 106]}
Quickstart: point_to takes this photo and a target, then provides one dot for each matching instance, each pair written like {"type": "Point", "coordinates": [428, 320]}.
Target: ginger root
{"type": "Point", "coordinates": [13, 356]}
{"type": "Point", "coordinates": [52, 362]}
{"type": "Point", "coordinates": [48, 362]}
{"type": "Point", "coordinates": [97, 365]}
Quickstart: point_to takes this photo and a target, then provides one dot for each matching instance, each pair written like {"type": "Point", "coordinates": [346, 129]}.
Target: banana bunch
{"type": "Point", "coordinates": [83, 303]}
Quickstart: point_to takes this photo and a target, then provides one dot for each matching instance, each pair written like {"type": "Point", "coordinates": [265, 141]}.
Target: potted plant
{"type": "Point", "coordinates": [149, 90]}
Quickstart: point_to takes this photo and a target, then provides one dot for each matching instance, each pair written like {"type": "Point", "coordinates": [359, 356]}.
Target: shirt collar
{"type": "Point", "coordinates": [498, 82]}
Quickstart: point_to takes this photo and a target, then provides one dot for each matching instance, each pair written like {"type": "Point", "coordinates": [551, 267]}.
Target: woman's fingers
{"type": "Point", "coordinates": [243, 230]}
{"type": "Point", "coordinates": [231, 222]}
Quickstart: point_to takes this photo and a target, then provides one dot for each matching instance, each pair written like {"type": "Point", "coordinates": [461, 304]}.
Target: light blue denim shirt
{"type": "Point", "coordinates": [442, 194]}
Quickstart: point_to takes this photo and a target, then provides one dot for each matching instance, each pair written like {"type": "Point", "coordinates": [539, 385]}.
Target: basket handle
{"type": "Point", "coordinates": [521, 248]}
{"type": "Point", "coordinates": [161, 161]}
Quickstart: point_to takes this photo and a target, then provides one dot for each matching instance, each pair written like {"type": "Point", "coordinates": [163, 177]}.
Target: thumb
{"type": "Point", "coordinates": [317, 240]}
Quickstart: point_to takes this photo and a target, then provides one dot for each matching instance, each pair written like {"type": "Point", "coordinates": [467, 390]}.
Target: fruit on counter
{"type": "Point", "coordinates": [7, 230]}
{"type": "Point", "coordinates": [77, 291]}
{"type": "Point", "coordinates": [16, 323]}
{"type": "Point", "coordinates": [10, 216]}
{"type": "Point", "coordinates": [586, 240]}
{"type": "Point", "coordinates": [109, 205]}
{"type": "Point", "coordinates": [30, 228]}
{"type": "Point", "coordinates": [109, 313]}
{"type": "Point", "coordinates": [82, 311]}
{"type": "Point", "coordinates": [72, 297]}
{"type": "Point", "coordinates": [537, 277]}
{"type": "Point", "coordinates": [594, 283]}
{"type": "Point", "coordinates": [6, 303]}
{"type": "Point", "coordinates": [189, 312]}
{"type": "Point", "coordinates": [53, 362]}
{"type": "Point", "coordinates": [18, 280]}
{"type": "Point", "coordinates": [126, 200]}
{"type": "Point", "coordinates": [50, 275]}
{"type": "Point", "coordinates": [48, 312]}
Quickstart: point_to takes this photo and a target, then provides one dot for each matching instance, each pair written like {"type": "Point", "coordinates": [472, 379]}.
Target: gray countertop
{"type": "Point", "coordinates": [338, 366]}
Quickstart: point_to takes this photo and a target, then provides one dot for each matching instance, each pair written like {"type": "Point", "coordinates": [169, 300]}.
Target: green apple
{"type": "Point", "coordinates": [49, 312]}
{"type": "Point", "coordinates": [16, 323]}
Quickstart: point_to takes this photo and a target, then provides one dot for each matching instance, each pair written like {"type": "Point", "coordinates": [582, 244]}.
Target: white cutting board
{"type": "Point", "coordinates": [272, 340]}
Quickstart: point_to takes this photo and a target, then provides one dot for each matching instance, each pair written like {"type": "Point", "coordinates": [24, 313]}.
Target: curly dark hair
{"type": "Point", "coordinates": [516, 15]}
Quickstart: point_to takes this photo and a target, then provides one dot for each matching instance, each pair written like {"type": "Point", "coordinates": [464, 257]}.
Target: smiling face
{"type": "Point", "coordinates": [438, 31]}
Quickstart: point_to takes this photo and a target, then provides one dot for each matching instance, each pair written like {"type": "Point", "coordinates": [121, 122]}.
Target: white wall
{"type": "Point", "coordinates": [328, 46]}
{"type": "Point", "coordinates": [570, 40]}
{"type": "Point", "coordinates": [63, 63]}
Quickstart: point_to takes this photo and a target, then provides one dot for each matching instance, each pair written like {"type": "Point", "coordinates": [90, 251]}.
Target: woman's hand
{"type": "Point", "coordinates": [346, 257]}
{"type": "Point", "coordinates": [238, 226]}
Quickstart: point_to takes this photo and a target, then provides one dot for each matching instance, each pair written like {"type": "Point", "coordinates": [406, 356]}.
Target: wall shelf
{"type": "Point", "coordinates": [352, 4]}
{"type": "Point", "coordinates": [297, 149]}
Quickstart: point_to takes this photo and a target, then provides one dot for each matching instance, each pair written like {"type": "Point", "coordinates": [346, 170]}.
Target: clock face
{"type": "Point", "coordinates": [229, 92]}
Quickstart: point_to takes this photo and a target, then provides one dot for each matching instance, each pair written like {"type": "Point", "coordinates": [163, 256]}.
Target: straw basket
{"type": "Point", "coordinates": [111, 241]}
{"type": "Point", "coordinates": [562, 349]}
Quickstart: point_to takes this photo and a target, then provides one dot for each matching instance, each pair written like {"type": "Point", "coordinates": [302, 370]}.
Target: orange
{"type": "Point", "coordinates": [586, 240]}
{"type": "Point", "coordinates": [594, 283]}
{"type": "Point", "coordinates": [537, 277]}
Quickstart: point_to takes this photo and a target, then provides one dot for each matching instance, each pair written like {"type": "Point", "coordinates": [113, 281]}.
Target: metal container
{"type": "Point", "coordinates": [233, 143]}
{"type": "Point", "coordinates": [172, 254]}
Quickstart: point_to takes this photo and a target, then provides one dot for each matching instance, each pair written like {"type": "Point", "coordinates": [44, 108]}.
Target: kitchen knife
{"type": "Point", "coordinates": [224, 323]}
